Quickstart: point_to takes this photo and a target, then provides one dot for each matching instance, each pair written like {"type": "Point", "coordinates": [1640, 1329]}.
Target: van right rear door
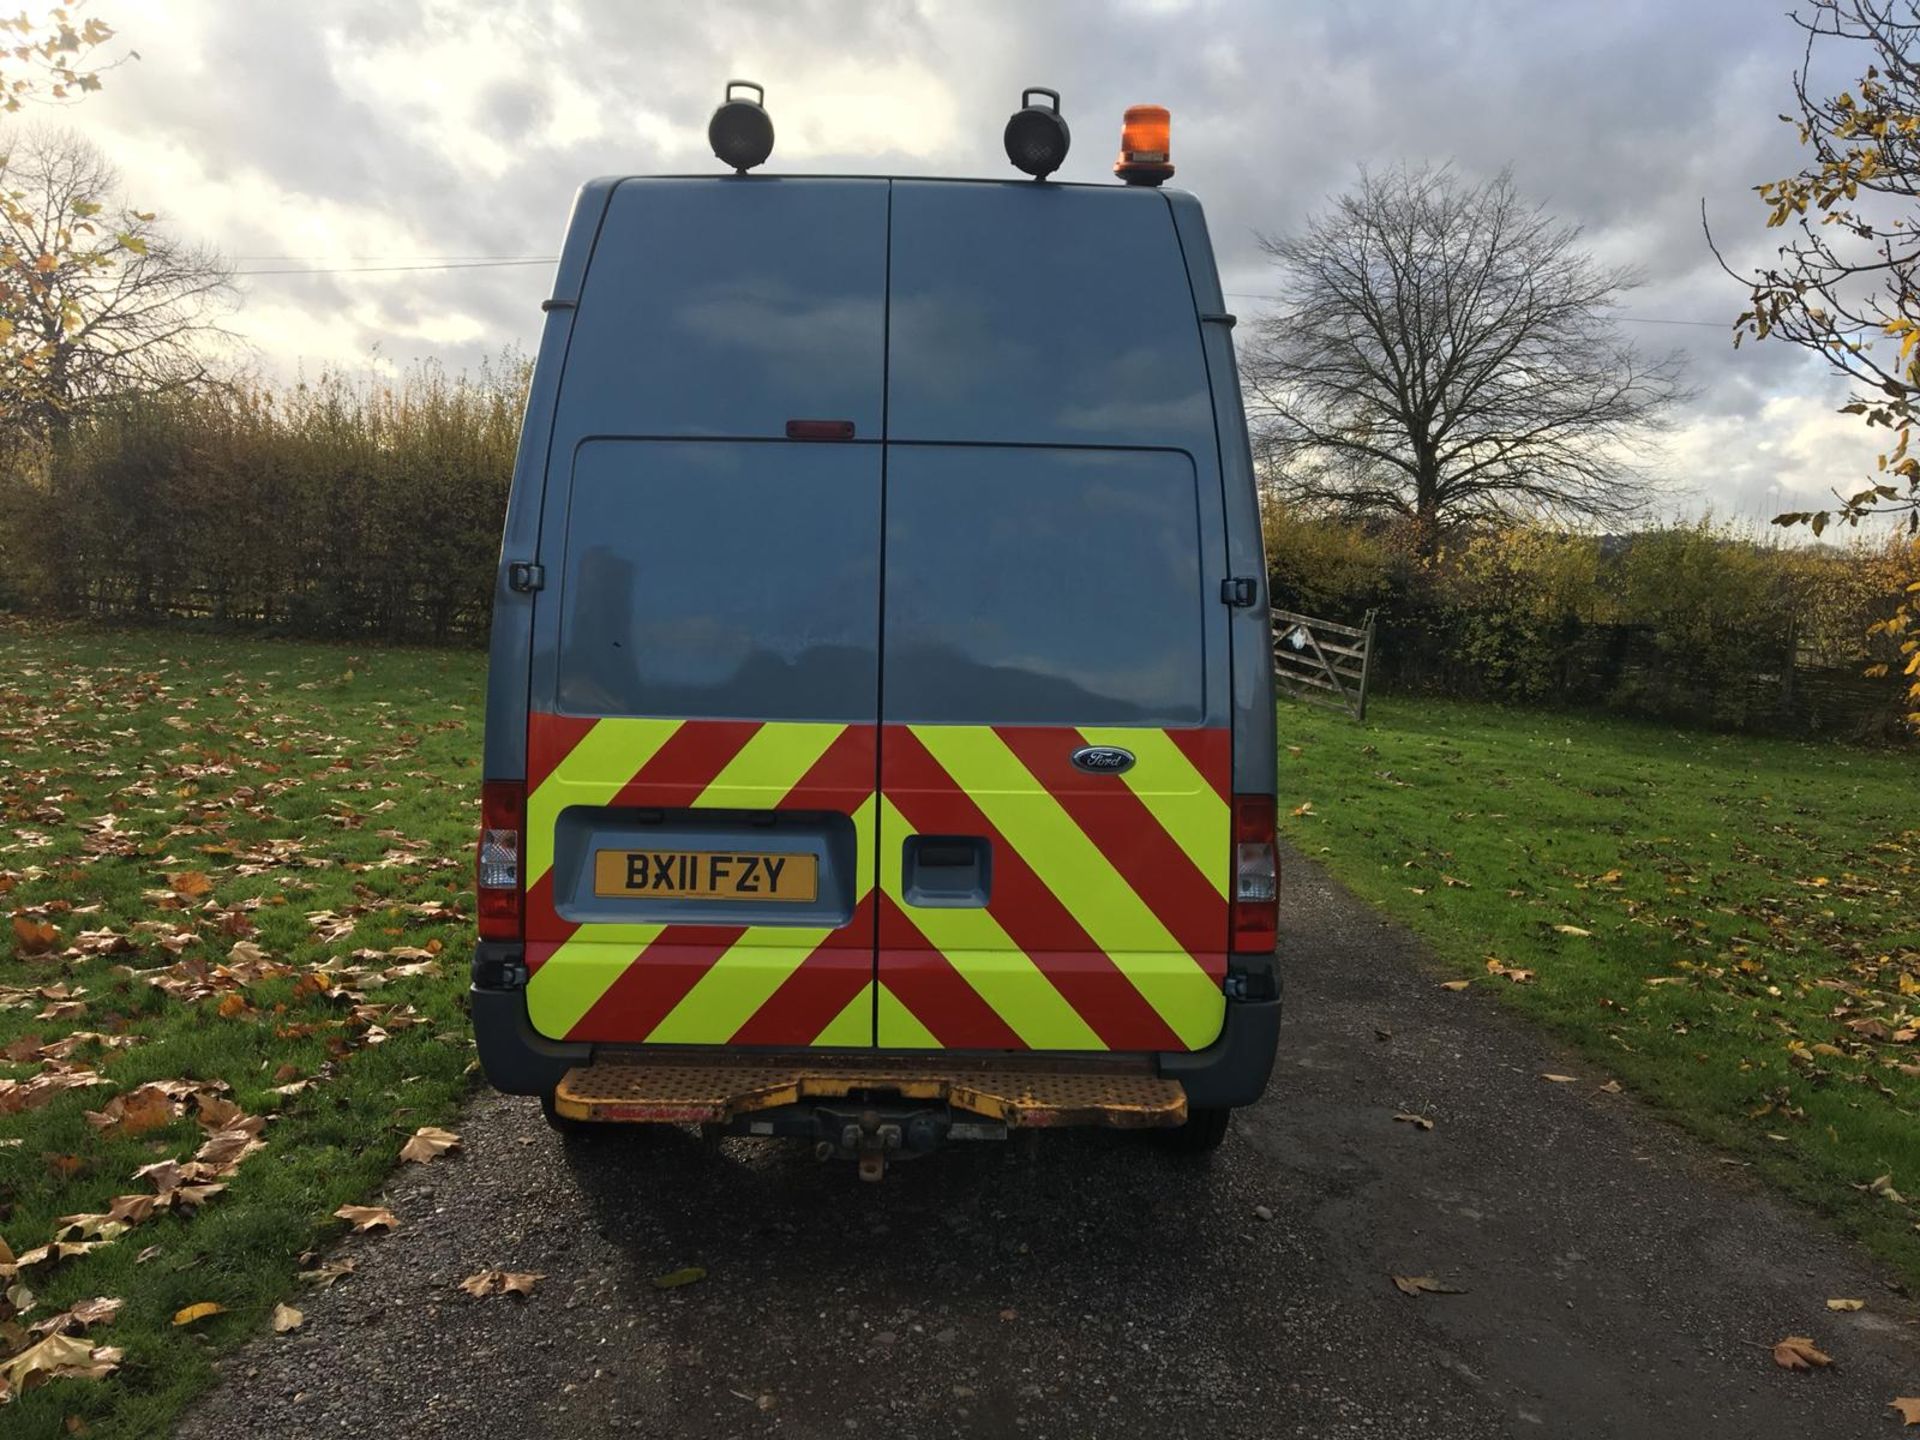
{"type": "Point", "coordinates": [1054, 555]}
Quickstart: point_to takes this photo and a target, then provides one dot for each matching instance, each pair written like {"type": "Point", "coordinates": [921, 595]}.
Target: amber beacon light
{"type": "Point", "coordinates": [1146, 146]}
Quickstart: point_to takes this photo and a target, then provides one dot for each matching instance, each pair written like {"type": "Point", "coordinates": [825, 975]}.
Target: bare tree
{"type": "Point", "coordinates": [1443, 352]}
{"type": "Point", "coordinates": [97, 301]}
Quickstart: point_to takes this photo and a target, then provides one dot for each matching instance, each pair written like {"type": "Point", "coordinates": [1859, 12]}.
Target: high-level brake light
{"type": "Point", "coordinates": [741, 131]}
{"type": "Point", "coordinates": [1037, 137]}
{"type": "Point", "coordinates": [1146, 146]}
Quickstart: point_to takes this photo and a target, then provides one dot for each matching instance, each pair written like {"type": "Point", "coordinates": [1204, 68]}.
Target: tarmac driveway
{"type": "Point", "coordinates": [1619, 1280]}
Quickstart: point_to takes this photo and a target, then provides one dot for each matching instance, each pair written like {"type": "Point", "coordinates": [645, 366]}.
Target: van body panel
{"type": "Point", "coordinates": [1255, 759]}
{"type": "Point", "coordinates": [1037, 314]}
{"type": "Point", "coordinates": [510, 647]}
{"type": "Point", "coordinates": [729, 309]}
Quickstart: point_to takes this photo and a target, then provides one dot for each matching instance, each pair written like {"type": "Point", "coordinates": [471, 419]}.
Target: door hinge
{"type": "Point", "coordinates": [525, 577]}
{"type": "Point", "coordinates": [1239, 591]}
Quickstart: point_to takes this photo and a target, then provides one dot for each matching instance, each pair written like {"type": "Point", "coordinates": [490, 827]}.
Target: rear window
{"type": "Point", "coordinates": [1042, 586]}
{"type": "Point", "coordinates": [708, 579]}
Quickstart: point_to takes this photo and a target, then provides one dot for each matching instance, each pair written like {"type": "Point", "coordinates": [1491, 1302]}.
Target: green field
{"type": "Point", "coordinates": [234, 819]}
{"type": "Point", "coordinates": [1727, 927]}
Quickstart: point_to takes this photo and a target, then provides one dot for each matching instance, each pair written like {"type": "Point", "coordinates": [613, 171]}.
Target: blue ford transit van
{"type": "Point", "coordinates": [880, 726]}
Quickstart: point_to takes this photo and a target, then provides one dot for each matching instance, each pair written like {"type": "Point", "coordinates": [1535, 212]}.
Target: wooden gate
{"type": "Point", "coordinates": [1321, 662]}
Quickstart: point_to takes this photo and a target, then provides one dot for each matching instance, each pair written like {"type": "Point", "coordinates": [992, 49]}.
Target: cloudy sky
{"type": "Point", "coordinates": [350, 135]}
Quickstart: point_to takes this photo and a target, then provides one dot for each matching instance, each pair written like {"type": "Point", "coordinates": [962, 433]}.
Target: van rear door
{"type": "Point", "coordinates": [702, 745]}
{"type": "Point", "coordinates": [1054, 555]}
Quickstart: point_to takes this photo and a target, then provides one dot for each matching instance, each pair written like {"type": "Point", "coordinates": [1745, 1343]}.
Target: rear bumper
{"type": "Point", "coordinates": [1231, 1072]}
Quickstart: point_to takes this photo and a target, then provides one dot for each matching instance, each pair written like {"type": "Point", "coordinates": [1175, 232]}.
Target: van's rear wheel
{"type": "Point", "coordinates": [1202, 1132]}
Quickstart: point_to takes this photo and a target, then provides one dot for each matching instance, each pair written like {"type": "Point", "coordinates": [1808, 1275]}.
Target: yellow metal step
{"type": "Point", "coordinates": [712, 1092]}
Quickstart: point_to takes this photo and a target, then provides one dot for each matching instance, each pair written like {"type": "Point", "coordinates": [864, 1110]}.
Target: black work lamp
{"type": "Point", "coordinates": [741, 131]}
{"type": "Point", "coordinates": [1037, 137]}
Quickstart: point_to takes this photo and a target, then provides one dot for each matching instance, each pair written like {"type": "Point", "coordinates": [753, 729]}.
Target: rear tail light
{"type": "Point", "coordinates": [1256, 875]}
{"type": "Point", "coordinates": [497, 872]}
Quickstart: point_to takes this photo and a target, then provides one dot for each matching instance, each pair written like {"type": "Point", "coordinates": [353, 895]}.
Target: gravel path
{"type": "Point", "coordinates": [1619, 1280]}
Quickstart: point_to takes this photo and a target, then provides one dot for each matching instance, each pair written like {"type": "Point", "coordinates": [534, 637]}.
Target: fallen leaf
{"type": "Point", "coordinates": [1797, 1352]}
{"type": "Point", "coordinates": [1423, 1285]}
{"type": "Point", "coordinates": [1573, 930]}
{"type": "Point", "coordinates": [1908, 1406]}
{"type": "Point", "coordinates": [326, 1274]}
{"type": "Point", "coordinates": [1419, 1120]}
{"type": "Point", "coordinates": [198, 1312]}
{"type": "Point", "coordinates": [1455, 984]}
{"type": "Point", "coordinates": [1562, 1079]}
{"type": "Point", "coordinates": [1882, 1185]}
{"type": "Point", "coordinates": [190, 884]}
{"type": "Point", "coordinates": [1303, 809]}
{"type": "Point", "coordinates": [98, 1311]}
{"type": "Point", "coordinates": [56, 1357]}
{"type": "Point", "coordinates": [286, 1318]}
{"type": "Point", "coordinates": [1846, 1304]}
{"type": "Point", "coordinates": [367, 1217]}
{"type": "Point", "coordinates": [1612, 1087]}
{"type": "Point", "coordinates": [428, 1143]}
{"type": "Point", "coordinates": [1518, 975]}
{"type": "Point", "coordinates": [33, 937]}
{"type": "Point", "coordinates": [674, 1279]}
{"type": "Point", "coordinates": [504, 1282]}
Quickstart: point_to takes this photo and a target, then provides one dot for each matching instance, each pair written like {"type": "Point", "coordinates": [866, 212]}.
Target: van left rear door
{"type": "Point", "coordinates": [702, 740]}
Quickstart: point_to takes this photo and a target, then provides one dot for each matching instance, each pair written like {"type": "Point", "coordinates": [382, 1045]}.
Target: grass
{"type": "Point", "coordinates": [295, 779]}
{"type": "Point", "coordinates": [1728, 927]}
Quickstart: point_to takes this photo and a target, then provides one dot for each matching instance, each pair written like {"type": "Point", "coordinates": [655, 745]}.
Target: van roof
{"type": "Point", "coordinates": [1114, 186]}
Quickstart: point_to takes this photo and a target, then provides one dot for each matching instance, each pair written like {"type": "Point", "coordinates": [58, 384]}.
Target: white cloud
{"type": "Point", "coordinates": [389, 130]}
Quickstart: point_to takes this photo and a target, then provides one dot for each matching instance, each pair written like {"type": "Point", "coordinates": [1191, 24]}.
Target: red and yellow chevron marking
{"type": "Point", "coordinates": [1106, 927]}
{"type": "Point", "coordinates": [695, 984]}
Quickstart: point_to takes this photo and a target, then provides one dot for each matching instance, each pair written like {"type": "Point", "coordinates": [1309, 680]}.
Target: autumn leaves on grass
{"type": "Point", "coordinates": [33, 1353]}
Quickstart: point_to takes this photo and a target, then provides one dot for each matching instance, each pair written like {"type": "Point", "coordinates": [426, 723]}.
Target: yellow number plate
{"type": "Point", "coordinates": [705, 875]}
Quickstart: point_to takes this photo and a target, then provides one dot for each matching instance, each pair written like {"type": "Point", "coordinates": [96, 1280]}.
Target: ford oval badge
{"type": "Point", "coordinates": [1103, 759]}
